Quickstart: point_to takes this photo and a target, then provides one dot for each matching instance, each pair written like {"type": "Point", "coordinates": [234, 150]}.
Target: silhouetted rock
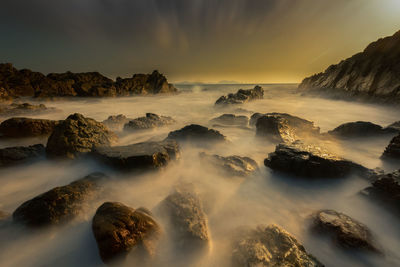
{"type": "Point", "coordinates": [197, 134]}
{"type": "Point", "coordinates": [140, 156]}
{"type": "Point", "coordinates": [347, 232]}
{"type": "Point", "coordinates": [116, 122]}
{"type": "Point", "coordinates": [76, 135]}
{"type": "Point", "coordinates": [26, 127]}
{"type": "Point", "coordinates": [118, 229]}
{"type": "Point", "coordinates": [242, 96]}
{"type": "Point", "coordinates": [24, 109]}
{"type": "Point", "coordinates": [374, 73]}
{"type": "Point", "coordinates": [11, 156]}
{"type": "Point", "coordinates": [59, 204]}
{"type": "Point", "coordinates": [394, 126]}
{"type": "Point", "coordinates": [359, 129]}
{"type": "Point", "coordinates": [231, 119]}
{"type": "Point", "coordinates": [270, 246]}
{"type": "Point", "coordinates": [310, 161]}
{"type": "Point", "coordinates": [392, 151]}
{"type": "Point", "coordinates": [150, 121]}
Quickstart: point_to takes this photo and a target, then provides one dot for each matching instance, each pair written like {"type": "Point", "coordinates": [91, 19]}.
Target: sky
{"type": "Point", "coordinates": [246, 41]}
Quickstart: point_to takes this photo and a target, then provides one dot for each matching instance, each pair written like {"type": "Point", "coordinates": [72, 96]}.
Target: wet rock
{"type": "Point", "coordinates": [231, 165]}
{"type": "Point", "coordinates": [197, 134]}
{"type": "Point", "coordinates": [392, 151]}
{"type": "Point", "coordinates": [140, 156]}
{"type": "Point", "coordinates": [116, 122]}
{"type": "Point", "coordinates": [60, 204]}
{"type": "Point", "coordinates": [76, 135]}
{"type": "Point", "coordinates": [150, 121]}
{"type": "Point", "coordinates": [26, 127]}
{"type": "Point", "coordinates": [119, 229]}
{"type": "Point", "coordinates": [24, 109]}
{"type": "Point", "coordinates": [311, 161]}
{"type": "Point", "coordinates": [282, 127]}
{"type": "Point", "coordinates": [231, 119]}
{"type": "Point", "coordinates": [358, 129]}
{"type": "Point", "coordinates": [270, 246]}
{"type": "Point", "coordinates": [11, 156]}
{"type": "Point", "coordinates": [347, 232]}
{"type": "Point", "coordinates": [241, 96]}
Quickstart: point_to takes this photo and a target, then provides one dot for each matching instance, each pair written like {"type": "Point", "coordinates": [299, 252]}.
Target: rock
{"type": "Point", "coordinates": [231, 119]}
{"type": "Point", "coordinates": [241, 96]}
{"type": "Point", "coordinates": [26, 127]}
{"type": "Point", "coordinates": [394, 126]}
{"type": "Point", "coordinates": [254, 118]}
{"type": "Point", "coordinates": [24, 109]}
{"type": "Point", "coordinates": [198, 134]}
{"type": "Point", "coordinates": [116, 122]}
{"type": "Point", "coordinates": [119, 229]}
{"type": "Point", "coordinates": [60, 204]}
{"type": "Point", "coordinates": [231, 165]}
{"type": "Point", "coordinates": [311, 161]}
{"type": "Point", "coordinates": [346, 231]}
{"type": "Point", "coordinates": [282, 127]}
{"type": "Point", "coordinates": [11, 156]}
{"type": "Point", "coordinates": [373, 74]}
{"type": "Point", "coordinates": [270, 246]}
{"type": "Point", "coordinates": [150, 121]}
{"type": "Point", "coordinates": [140, 156]}
{"type": "Point", "coordinates": [76, 135]}
{"type": "Point", "coordinates": [392, 151]}
{"type": "Point", "coordinates": [358, 129]}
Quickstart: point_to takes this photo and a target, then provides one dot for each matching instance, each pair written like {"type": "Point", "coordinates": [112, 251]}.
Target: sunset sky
{"type": "Point", "coordinates": [252, 41]}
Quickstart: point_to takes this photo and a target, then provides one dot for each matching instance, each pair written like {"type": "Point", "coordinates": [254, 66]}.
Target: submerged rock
{"type": "Point", "coordinates": [150, 121]}
{"type": "Point", "coordinates": [119, 229]}
{"type": "Point", "coordinates": [60, 204]}
{"type": "Point", "coordinates": [231, 165]}
{"type": "Point", "coordinates": [358, 129]}
{"type": "Point", "coordinates": [392, 151]}
{"type": "Point", "coordinates": [24, 109]}
{"type": "Point", "coordinates": [310, 161]}
{"type": "Point", "coordinates": [241, 96]}
{"type": "Point", "coordinates": [76, 135]}
{"type": "Point", "coordinates": [197, 133]}
{"type": "Point", "coordinates": [270, 246]}
{"type": "Point", "coordinates": [231, 119]}
{"type": "Point", "coordinates": [26, 127]}
{"type": "Point", "coordinates": [116, 122]}
{"type": "Point", "coordinates": [140, 156]}
{"type": "Point", "coordinates": [347, 232]}
{"type": "Point", "coordinates": [11, 156]}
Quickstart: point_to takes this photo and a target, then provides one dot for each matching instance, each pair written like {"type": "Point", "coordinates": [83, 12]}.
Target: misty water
{"type": "Point", "coordinates": [229, 202]}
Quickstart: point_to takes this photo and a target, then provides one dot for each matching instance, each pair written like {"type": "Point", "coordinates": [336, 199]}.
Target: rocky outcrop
{"type": "Point", "coordinates": [11, 156]}
{"type": "Point", "coordinates": [232, 120]}
{"type": "Point", "coordinates": [270, 246]}
{"type": "Point", "coordinates": [60, 204]}
{"type": "Point", "coordinates": [197, 134]}
{"type": "Point", "coordinates": [392, 151]}
{"type": "Point", "coordinates": [76, 135]}
{"type": "Point", "coordinates": [231, 165]}
{"type": "Point", "coordinates": [373, 73]}
{"type": "Point", "coordinates": [241, 96]}
{"type": "Point", "coordinates": [15, 109]}
{"type": "Point", "coordinates": [359, 129]}
{"type": "Point", "coordinates": [118, 229]}
{"type": "Point", "coordinates": [116, 122]}
{"type": "Point", "coordinates": [310, 161]}
{"type": "Point", "coordinates": [140, 156]}
{"type": "Point", "coordinates": [150, 121]}
{"type": "Point", "coordinates": [25, 82]}
{"type": "Point", "coordinates": [26, 127]}
{"type": "Point", "coordinates": [346, 231]}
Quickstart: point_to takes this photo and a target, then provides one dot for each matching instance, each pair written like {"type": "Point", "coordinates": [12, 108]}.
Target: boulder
{"type": "Point", "coordinates": [119, 229]}
{"type": "Point", "coordinates": [231, 165]}
{"type": "Point", "coordinates": [241, 96]}
{"type": "Point", "coordinates": [347, 232]}
{"type": "Point", "coordinates": [26, 127]}
{"type": "Point", "coordinates": [116, 122]}
{"type": "Point", "coordinates": [150, 121]}
{"type": "Point", "coordinates": [195, 133]}
{"type": "Point", "coordinates": [392, 151]}
{"type": "Point", "coordinates": [15, 109]}
{"type": "Point", "coordinates": [311, 161]}
{"type": "Point", "coordinates": [140, 156]}
{"type": "Point", "coordinates": [60, 204]}
{"type": "Point", "coordinates": [76, 135]}
{"type": "Point", "coordinates": [270, 246]}
{"type": "Point", "coordinates": [358, 129]}
{"type": "Point", "coordinates": [231, 119]}
{"type": "Point", "coordinates": [11, 156]}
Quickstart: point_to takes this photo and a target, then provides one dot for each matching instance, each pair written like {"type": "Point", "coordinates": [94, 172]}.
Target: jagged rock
{"type": "Point", "coordinates": [11, 156]}
{"type": "Point", "coordinates": [311, 161]}
{"type": "Point", "coordinates": [242, 96]}
{"type": "Point", "coordinates": [60, 204]}
{"type": "Point", "coordinates": [373, 73]}
{"type": "Point", "coordinates": [392, 151]}
{"type": "Point", "coordinates": [198, 134]}
{"type": "Point", "coordinates": [231, 119]}
{"type": "Point", "coordinates": [119, 229]}
{"type": "Point", "coordinates": [270, 246]}
{"type": "Point", "coordinates": [150, 121]}
{"type": "Point", "coordinates": [347, 232]}
{"type": "Point", "coordinates": [24, 109]}
{"type": "Point", "coordinates": [140, 156]}
{"type": "Point", "coordinates": [116, 122]}
{"type": "Point", "coordinates": [26, 127]}
{"type": "Point", "coordinates": [282, 127]}
{"type": "Point", "coordinates": [359, 129]}
{"type": "Point", "coordinates": [76, 135]}
{"type": "Point", "coordinates": [231, 165]}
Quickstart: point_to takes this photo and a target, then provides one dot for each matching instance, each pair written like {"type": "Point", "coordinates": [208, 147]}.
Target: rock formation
{"type": "Point", "coordinates": [359, 129]}
{"type": "Point", "coordinates": [26, 127]}
{"type": "Point", "coordinates": [231, 119]}
{"type": "Point", "coordinates": [392, 151]}
{"type": "Point", "coordinates": [11, 156]}
{"type": "Point", "coordinates": [197, 134]}
{"type": "Point", "coordinates": [241, 96]}
{"type": "Point", "coordinates": [150, 121]}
